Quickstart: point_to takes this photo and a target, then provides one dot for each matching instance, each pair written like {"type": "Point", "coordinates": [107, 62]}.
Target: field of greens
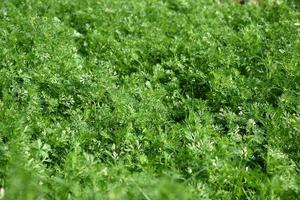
{"type": "Point", "coordinates": [149, 99]}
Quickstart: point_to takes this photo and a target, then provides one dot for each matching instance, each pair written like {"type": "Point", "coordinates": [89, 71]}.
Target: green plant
{"type": "Point", "coordinates": [185, 99]}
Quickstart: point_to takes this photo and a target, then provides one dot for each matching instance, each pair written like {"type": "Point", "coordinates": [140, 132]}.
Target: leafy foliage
{"type": "Point", "coordinates": [168, 99]}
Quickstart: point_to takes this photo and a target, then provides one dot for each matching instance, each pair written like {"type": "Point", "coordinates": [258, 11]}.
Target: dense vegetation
{"type": "Point", "coordinates": [156, 99]}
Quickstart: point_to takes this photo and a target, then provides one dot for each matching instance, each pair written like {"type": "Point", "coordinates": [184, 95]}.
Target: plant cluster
{"type": "Point", "coordinates": [156, 99]}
